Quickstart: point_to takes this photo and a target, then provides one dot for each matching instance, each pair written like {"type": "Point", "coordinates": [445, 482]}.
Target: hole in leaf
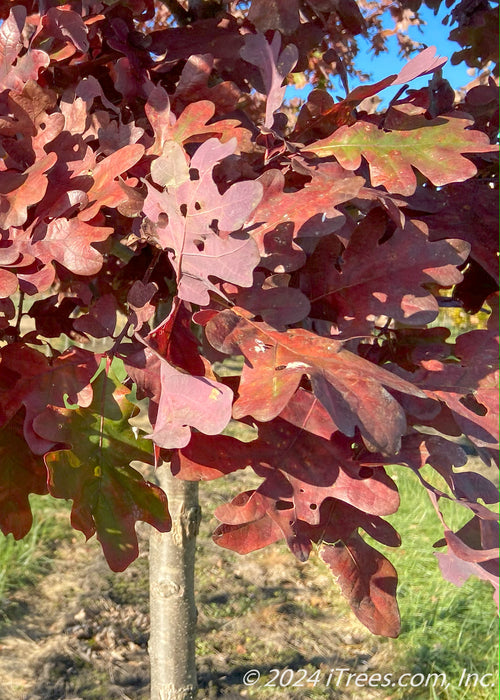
{"type": "Point", "coordinates": [365, 472]}
{"type": "Point", "coordinates": [184, 209]}
{"type": "Point", "coordinates": [470, 402]}
{"type": "Point", "coordinates": [284, 505]}
{"type": "Point", "coordinates": [197, 206]}
{"type": "Point", "coordinates": [313, 506]}
{"type": "Point", "coordinates": [194, 173]}
{"type": "Point", "coordinates": [200, 245]}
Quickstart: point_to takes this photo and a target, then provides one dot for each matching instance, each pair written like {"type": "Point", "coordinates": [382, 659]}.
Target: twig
{"type": "Point", "coordinates": [19, 313]}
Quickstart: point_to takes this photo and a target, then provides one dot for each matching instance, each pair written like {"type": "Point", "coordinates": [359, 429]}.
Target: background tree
{"type": "Point", "coordinates": [156, 198]}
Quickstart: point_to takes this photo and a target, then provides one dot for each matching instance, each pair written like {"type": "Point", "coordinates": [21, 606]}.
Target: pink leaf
{"type": "Point", "coordinates": [186, 402]}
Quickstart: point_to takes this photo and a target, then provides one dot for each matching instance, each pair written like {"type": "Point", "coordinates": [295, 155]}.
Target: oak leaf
{"type": "Point", "coordinates": [380, 274]}
{"type": "Point", "coordinates": [108, 495]}
{"type": "Point", "coordinates": [432, 146]}
{"type": "Point", "coordinates": [192, 209]}
{"type": "Point", "coordinates": [368, 581]}
{"type": "Point", "coordinates": [350, 388]}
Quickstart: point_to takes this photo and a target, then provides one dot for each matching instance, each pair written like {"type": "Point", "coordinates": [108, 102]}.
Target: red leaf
{"type": "Point", "coordinates": [192, 124]}
{"type": "Point", "coordinates": [368, 581]}
{"type": "Point", "coordinates": [472, 551]}
{"type": "Point", "coordinates": [422, 64]}
{"type": "Point", "coordinates": [467, 210]}
{"type": "Point", "coordinates": [248, 536]}
{"type": "Point", "coordinates": [62, 32]}
{"type": "Point", "coordinates": [47, 385]}
{"type": "Point", "coordinates": [187, 401]}
{"type": "Point", "coordinates": [273, 67]}
{"type": "Point", "coordinates": [10, 37]}
{"type": "Point", "coordinates": [298, 468]}
{"type": "Point", "coordinates": [320, 115]}
{"type": "Point", "coordinates": [194, 86]}
{"type": "Point", "coordinates": [27, 66]}
{"type": "Point", "coordinates": [458, 571]}
{"type": "Point", "coordinates": [106, 190]}
{"type": "Point", "coordinates": [14, 205]}
{"type": "Point", "coordinates": [308, 212]}
{"type": "Point", "coordinates": [220, 38]}
{"type": "Point", "coordinates": [69, 242]}
{"type": "Point", "coordinates": [275, 302]}
{"type": "Point", "coordinates": [306, 412]}
{"type": "Point", "coordinates": [100, 322]}
{"type": "Point", "coordinates": [196, 251]}
{"type": "Point", "coordinates": [470, 388]}
{"type": "Point", "coordinates": [138, 299]}
{"type": "Point", "coordinates": [8, 283]}
{"type": "Point", "coordinates": [21, 473]}
{"type": "Point", "coordinates": [255, 523]}
{"type": "Point", "coordinates": [377, 275]}
{"type": "Point", "coordinates": [350, 388]}
{"type": "Point", "coordinates": [175, 342]}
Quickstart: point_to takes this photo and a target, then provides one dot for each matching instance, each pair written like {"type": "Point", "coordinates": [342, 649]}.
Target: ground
{"type": "Point", "coordinates": [79, 631]}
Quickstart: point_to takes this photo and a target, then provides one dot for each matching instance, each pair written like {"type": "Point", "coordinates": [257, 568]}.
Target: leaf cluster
{"type": "Point", "coordinates": [161, 212]}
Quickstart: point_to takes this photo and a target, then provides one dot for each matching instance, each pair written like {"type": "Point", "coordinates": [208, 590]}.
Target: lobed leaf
{"type": "Point", "coordinates": [381, 275]}
{"type": "Point", "coordinates": [21, 473]}
{"type": "Point", "coordinates": [196, 251]}
{"type": "Point", "coordinates": [351, 389]}
{"type": "Point", "coordinates": [368, 581]}
{"type": "Point", "coordinates": [432, 146]}
{"type": "Point", "coordinates": [108, 495]}
{"type": "Point", "coordinates": [311, 212]}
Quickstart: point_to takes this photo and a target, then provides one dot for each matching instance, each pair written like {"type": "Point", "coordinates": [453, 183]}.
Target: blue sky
{"type": "Point", "coordinates": [434, 33]}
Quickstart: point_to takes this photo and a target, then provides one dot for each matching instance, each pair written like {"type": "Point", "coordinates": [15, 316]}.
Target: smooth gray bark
{"type": "Point", "coordinates": [171, 587]}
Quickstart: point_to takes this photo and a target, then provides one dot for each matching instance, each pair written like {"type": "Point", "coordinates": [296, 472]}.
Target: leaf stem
{"type": "Point", "coordinates": [391, 104]}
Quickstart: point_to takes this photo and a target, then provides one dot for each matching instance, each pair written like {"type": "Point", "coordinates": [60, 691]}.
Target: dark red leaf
{"type": "Point", "coordinates": [100, 322]}
{"type": "Point", "coordinates": [378, 275]}
{"type": "Point", "coordinates": [274, 302]}
{"type": "Point", "coordinates": [21, 473]}
{"type": "Point", "coordinates": [273, 66]}
{"type": "Point", "coordinates": [138, 299]}
{"type": "Point", "coordinates": [274, 14]}
{"type": "Point", "coordinates": [174, 340]}
{"type": "Point", "coordinates": [368, 581]}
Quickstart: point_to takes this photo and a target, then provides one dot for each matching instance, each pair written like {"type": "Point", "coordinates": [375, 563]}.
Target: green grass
{"type": "Point", "coordinates": [445, 629]}
{"type": "Point", "coordinates": [23, 561]}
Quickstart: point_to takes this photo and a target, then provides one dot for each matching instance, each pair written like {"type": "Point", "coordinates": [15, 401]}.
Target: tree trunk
{"type": "Point", "coordinates": [171, 588]}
